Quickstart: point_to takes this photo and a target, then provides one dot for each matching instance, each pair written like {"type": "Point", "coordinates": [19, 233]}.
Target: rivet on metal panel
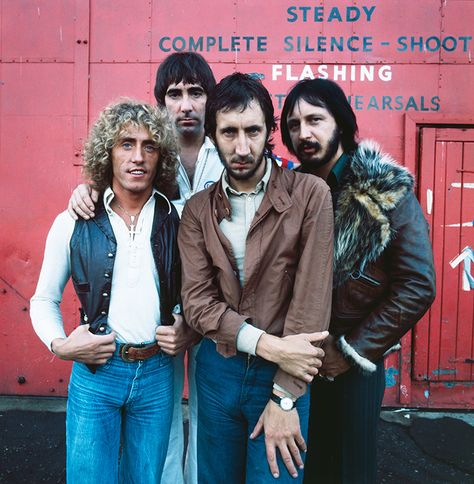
{"type": "Point", "coordinates": [84, 41]}
{"type": "Point", "coordinates": [4, 291]}
{"type": "Point", "coordinates": [79, 41]}
{"type": "Point", "coordinates": [24, 308]}
{"type": "Point", "coordinates": [52, 390]}
{"type": "Point", "coordinates": [21, 380]}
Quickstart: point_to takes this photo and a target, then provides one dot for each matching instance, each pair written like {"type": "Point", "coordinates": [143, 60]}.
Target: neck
{"type": "Point", "coordinates": [131, 202]}
{"type": "Point", "coordinates": [189, 151]}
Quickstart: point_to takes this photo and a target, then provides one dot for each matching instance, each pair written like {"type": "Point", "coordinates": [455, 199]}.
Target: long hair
{"type": "Point", "coordinates": [237, 91]}
{"type": "Point", "coordinates": [326, 94]}
{"type": "Point", "coordinates": [187, 67]}
{"type": "Point", "coordinates": [106, 131]}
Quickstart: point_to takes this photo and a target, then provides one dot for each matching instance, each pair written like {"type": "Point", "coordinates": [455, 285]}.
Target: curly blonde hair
{"type": "Point", "coordinates": [106, 131]}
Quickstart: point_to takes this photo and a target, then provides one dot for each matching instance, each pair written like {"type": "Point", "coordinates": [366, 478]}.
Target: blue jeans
{"type": "Point", "coordinates": [123, 406]}
{"type": "Point", "coordinates": [232, 394]}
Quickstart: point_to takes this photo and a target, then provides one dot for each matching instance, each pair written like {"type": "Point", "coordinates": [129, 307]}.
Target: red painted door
{"type": "Point", "coordinates": [443, 340]}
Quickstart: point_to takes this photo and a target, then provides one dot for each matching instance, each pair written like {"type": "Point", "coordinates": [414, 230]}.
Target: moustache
{"type": "Point", "coordinates": [243, 159]}
{"type": "Point", "coordinates": [309, 144]}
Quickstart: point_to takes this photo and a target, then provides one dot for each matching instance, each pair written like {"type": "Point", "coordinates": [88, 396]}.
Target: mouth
{"type": "Point", "coordinates": [187, 121]}
{"type": "Point", "coordinates": [309, 148]}
{"type": "Point", "coordinates": [137, 172]}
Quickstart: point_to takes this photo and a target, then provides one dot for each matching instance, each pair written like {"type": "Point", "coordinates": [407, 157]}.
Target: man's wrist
{"type": "Point", "coordinates": [56, 346]}
{"type": "Point", "coordinates": [268, 348]}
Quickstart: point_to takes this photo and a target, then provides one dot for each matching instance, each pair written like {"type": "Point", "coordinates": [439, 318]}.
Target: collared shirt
{"type": "Point", "coordinates": [336, 174]}
{"type": "Point", "coordinates": [134, 310]}
{"type": "Point", "coordinates": [208, 170]}
{"type": "Point", "coordinates": [243, 205]}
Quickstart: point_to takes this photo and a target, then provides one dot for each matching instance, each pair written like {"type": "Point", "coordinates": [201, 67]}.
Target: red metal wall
{"type": "Point", "coordinates": [61, 61]}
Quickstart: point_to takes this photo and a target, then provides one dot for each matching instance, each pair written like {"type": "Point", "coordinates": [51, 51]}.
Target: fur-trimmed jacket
{"type": "Point", "coordinates": [384, 279]}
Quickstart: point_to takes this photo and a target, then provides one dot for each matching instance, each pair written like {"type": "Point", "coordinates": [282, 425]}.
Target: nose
{"type": "Point", "coordinates": [137, 153]}
{"type": "Point", "coordinates": [186, 105]}
{"type": "Point", "coordinates": [305, 132]}
{"type": "Point", "coordinates": [243, 146]}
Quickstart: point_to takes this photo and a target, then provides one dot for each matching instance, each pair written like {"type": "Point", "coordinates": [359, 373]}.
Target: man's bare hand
{"type": "Point", "coordinates": [282, 432]}
{"type": "Point", "coordinates": [82, 202]}
{"type": "Point", "coordinates": [83, 346]}
{"type": "Point", "coordinates": [294, 354]}
{"type": "Point", "coordinates": [334, 363]}
{"type": "Point", "coordinates": [176, 338]}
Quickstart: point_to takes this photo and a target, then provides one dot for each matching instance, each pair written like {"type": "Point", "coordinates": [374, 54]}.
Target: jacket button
{"type": "Point", "coordinates": [110, 255]}
{"type": "Point", "coordinates": [102, 329]}
{"type": "Point", "coordinates": [105, 294]}
{"type": "Point", "coordinates": [103, 313]}
{"type": "Point", "coordinates": [107, 275]}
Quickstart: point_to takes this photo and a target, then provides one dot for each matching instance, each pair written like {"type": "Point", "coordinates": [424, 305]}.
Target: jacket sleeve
{"type": "Point", "coordinates": [411, 289]}
{"type": "Point", "coordinates": [310, 307]}
{"type": "Point", "coordinates": [204, 308]}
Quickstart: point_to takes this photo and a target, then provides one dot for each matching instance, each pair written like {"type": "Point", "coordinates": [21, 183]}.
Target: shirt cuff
{"type": "Point", "coordinates": [247, 338]}
{"type": "Point", "coordinates": [285, 392]}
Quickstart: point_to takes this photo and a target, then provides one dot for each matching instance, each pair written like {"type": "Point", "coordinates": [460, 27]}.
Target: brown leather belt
{"type": "Point", "coordinates": [138, 352]}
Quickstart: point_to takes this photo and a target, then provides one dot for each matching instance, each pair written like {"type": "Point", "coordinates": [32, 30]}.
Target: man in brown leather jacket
{"type": "Point", "coordinates": [256, 250]}
{"type": "Point", "coordinates": [384, 277]}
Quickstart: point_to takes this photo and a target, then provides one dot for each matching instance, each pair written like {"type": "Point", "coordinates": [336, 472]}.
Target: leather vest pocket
{"type": "Point", "coordinates": [82, 287]}
{"type": "Point", "coordinates": [360, 294]}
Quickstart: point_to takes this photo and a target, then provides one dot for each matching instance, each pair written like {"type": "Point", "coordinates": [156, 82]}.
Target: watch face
{"type": "Point", "coordinates": [286, 403]}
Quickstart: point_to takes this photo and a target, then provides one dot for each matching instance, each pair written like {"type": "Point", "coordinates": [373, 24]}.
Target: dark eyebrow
{"type": "Point", "coordinates": [254, 127]}
{"type": "Point", "coordinates": [174, 90]}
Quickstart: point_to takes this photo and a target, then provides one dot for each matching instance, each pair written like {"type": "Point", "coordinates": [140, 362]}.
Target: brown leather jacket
{"type": "Point", "coordinates": [383, 268]}
{"type": "Point", "coordinates": [288, 264]}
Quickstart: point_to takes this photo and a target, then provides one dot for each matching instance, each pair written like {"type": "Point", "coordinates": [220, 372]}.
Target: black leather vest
{"type": "Point", "coordinates": [93, 250]}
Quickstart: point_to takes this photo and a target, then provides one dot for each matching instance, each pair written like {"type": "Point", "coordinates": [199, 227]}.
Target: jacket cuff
{"type": "Point", "coordinates": [226, 336]}
{"type": "Point", "coordinates": [392, 349]}
{"type": "Point", "coordinates": [353, 357]}
{"type": "Point", "coordinates": [291, 384]}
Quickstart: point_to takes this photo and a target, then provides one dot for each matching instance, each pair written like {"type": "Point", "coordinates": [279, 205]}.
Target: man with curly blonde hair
{"type": "Point", "coordinates": [125, 269]}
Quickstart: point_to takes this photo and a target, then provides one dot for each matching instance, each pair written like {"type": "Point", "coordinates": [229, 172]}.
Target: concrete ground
{"type": "Point", "coordinates": [414, 446]}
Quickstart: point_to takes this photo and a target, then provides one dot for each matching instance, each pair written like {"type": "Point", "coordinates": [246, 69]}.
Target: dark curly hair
{"type": "Point", "coordinates": [106, 131]}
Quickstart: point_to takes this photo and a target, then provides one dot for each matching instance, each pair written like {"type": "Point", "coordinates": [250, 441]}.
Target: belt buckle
{"type": "Point", "coordinates": [124, 352]}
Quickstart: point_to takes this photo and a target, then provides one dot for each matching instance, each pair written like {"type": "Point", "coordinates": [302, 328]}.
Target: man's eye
{"type": "Point", "coordinates": [126, 145]}
{"type": "Point", "coordinates": [151, 148]}
{"type": "Point", "coordinates": [293, 127]}
{"type": "Point", "coordinates": [173, 95]}
{"type": "Point", "coordinates": [315, 120]}
{"type": "Point", "coordinates": [197, 94]}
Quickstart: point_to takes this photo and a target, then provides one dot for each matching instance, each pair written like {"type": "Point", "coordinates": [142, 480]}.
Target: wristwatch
{"type": "Point", "coordinates": [285, 403]}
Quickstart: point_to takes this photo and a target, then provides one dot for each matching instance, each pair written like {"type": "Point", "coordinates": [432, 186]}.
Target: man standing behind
{"type": "Point", "coordinates": [257, 277]}
{"type": "Point", "coordinates": [125, 269]}
{"type": "Point", "coordinates": [384, 277]}
{"type": "Point", "coordinates": [183, 82]}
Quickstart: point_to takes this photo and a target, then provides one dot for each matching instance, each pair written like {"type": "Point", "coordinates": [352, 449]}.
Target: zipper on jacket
{"type": "Point", "coordinates": [360, 275]}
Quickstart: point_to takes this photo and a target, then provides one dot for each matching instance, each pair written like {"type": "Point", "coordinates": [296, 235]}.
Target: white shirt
{"type": "Point", "coordinates": [134, 310]}
{"type": "Point", "coordinates": [207, 171]}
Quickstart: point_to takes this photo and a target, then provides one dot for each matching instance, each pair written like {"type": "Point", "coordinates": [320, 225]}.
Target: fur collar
{"type": "Point", "coordinates": [372, 187]}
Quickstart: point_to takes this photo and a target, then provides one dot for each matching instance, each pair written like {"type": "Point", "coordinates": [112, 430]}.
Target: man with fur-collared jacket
{"type": "Point", "coordinates": [384, 278]}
